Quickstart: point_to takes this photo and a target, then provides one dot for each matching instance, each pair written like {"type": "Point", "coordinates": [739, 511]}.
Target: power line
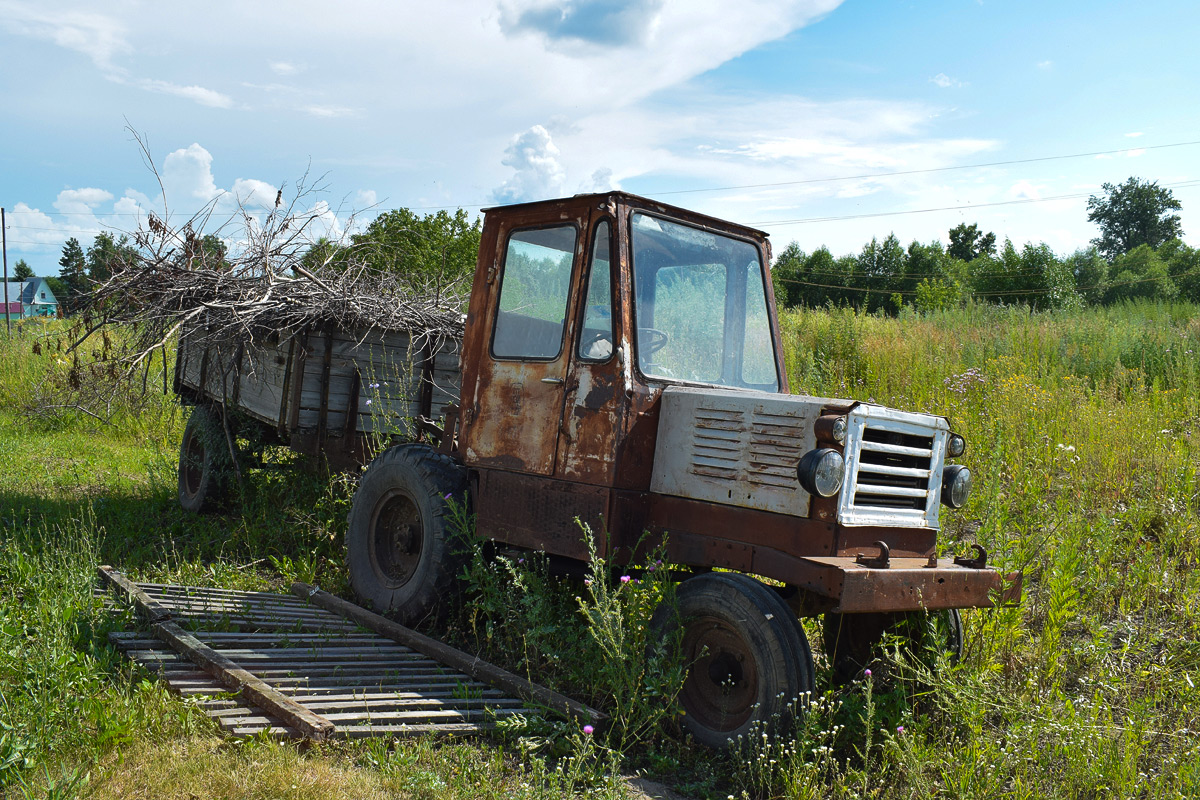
{"type": "Point", "coordinates": [1023, 201]}
{"type": "Point", "coordinates": [832, 179]}
{"type": "Point", "coordinates": [931, 169]}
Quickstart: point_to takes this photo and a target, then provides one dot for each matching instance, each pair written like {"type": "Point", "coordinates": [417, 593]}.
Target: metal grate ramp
{"type": "Point", "coordinates": [295, 666]}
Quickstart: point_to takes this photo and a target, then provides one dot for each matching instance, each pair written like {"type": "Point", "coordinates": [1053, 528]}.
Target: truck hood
{"type": "Point", "coordinates": [741, 448]}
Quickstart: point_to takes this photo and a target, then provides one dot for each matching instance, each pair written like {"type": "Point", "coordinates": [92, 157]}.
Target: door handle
{"type": "Point", "coordinates": [554, 381]}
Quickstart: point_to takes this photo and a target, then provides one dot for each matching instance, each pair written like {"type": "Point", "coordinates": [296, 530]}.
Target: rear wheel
{"type": "Point", "coordinates": [852, 640]}
{"type": "Point", "coordinates": [205, 465]}
{"type": "Point", "coordinates": [749, 661]}
{"type": "Point", "coordinates": [403, 556]}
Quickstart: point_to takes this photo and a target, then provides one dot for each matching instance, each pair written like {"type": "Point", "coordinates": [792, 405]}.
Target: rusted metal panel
{"type": "Point", "coordinates": [538, 513]}
{"type": "Point", "coordinates": [912, 583]}
{"type": "Point", "coordinates": [591, 424]}
{"type": "Point", "coordinates": [735, 447]}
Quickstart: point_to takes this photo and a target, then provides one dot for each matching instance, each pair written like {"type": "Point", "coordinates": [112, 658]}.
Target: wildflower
{"type": "Point", "coordinates": [368, 402]}
{"type": "Point", "coordinates": [866, 673]}
{"type": "Point", "coordinates": [900, 729]}
{"type": "Point", "coordinates": [446, 496]}
{"type": "Point", "coordinates": [625, 579]}
{"type": "Point", "coordinates": [589, 730]}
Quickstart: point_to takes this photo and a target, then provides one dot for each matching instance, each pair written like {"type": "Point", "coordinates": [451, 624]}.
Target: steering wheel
{"type": "Point", "coordinates": [651, 340]}
{"type": "Point", "coordinates": [597, 347]}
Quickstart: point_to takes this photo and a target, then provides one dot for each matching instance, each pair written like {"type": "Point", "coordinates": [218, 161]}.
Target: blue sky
{"type": "Point", "coordinates": [760, 112]}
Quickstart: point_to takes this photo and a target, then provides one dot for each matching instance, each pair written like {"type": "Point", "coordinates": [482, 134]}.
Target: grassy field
{"type": "Point", "coordinates": [1082, 436]}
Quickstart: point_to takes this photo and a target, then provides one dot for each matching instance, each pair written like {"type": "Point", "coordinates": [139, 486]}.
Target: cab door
{"type": "Point", "coordinates": [594, 400]}
{"type": "Point", "coordinates": [522, 373]}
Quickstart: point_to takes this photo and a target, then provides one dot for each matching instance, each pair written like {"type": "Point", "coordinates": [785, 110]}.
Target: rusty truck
{"type": "Point", "coordinates": [620, 365]}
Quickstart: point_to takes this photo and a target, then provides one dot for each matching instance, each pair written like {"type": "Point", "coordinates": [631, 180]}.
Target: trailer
{"type": "Point", "coordinates": [341, 395]}
{"type": "Point", "coordinates": [621, 366]}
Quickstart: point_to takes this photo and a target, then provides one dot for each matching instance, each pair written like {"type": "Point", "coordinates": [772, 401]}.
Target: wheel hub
{"type": "Point", "coordinates": [193, 465]}
{"type": "Point", "coordinates": [397, 537]}
{"type": "Point", "coordinates": [722, 685]}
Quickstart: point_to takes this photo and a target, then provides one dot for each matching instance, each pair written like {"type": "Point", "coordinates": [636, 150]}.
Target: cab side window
{"type": "Point", "coordinates": [596, 335]}
{"type": "Point", "coordinates": [534, 290]}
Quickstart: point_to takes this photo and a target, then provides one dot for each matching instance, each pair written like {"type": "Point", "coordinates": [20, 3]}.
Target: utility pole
{"type": "Point", "coordinates": [4, 249]}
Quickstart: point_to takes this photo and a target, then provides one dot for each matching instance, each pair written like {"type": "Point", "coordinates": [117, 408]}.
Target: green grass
{"type": "Point", "coordinates": [1082, 432]}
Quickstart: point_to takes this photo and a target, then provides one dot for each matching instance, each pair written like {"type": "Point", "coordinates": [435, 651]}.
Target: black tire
{"type": "Point", "coordinates": [749, 660]}
{"type": "Point", "coordinates": [852, 640]}
{"type": "Point", "coordinates": [404, 559]}
{"type": "Point", "coordinates": [205, 466]}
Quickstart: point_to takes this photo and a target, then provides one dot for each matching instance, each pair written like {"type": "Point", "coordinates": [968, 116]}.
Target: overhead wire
{"type": "Point", "coordinates": [805, 181]}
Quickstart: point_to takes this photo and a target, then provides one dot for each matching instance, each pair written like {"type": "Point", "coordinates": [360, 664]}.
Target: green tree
{"type": "Point", "coordinates": [22, 271]}
{"type": "Point", "coordinates": [436, 248]}
{"type": "Point", "coordinates": [1133, 214]}
{"type": "Point", "coordinates": [786, 276]}
{"type": "Point", "coordinates": [1090, 271]}
{"type": "Point", "coordinates": [106, 255]}
{"type": "Point", "coordinates": [968, 243]}
{"type": "Point", "coordinates": [1183, 265]}
{"type": "Point", "coordinates": [73, 273]}
{"type": "Point", "coordinates": [880, 272]}
{"type": "Point", "coordinates": [1033, 276]}
{"type": "Point", "coordinates": [1140, 273]}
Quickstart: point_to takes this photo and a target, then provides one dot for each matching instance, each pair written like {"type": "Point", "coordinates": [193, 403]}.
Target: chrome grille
{"type": "Point", "coordinates": [894, 468]}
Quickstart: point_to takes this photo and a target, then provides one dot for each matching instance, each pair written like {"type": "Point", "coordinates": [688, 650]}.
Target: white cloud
{"type": "Point", "coordinates": [76, 199]}
{"type": "Point", "coordinates": [1134, 135]}
{"type": "Point", "coordinates": [328, 111]}
{"type": "Point", "coordinates": [539, 175]}
{"type": "Point", "coordinates": [365, 198]}
{"type": "Point", "coordinates": [1136, 152]}
{"type": "Point", "coordinates": [251, 194]}
{"type": "Point", "coordinates": [96, 36]}
{"type": "Point", "coordinates": [600, 181]}
{"type": "Point", "coordinates": [946, 82]}
{"type": "Point", "coordinates": [1045, 65]}
{"type": "Point", "coordinates": [187, 173]}
{"type": "Point", "coordinates": [198, 94]}
{"type": "Point", "coordinates": [284, 68]}
{"type": "Point", "coordinates": [1025, 190]}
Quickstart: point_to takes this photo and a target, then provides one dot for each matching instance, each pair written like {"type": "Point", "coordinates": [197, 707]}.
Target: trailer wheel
{"type": "Point", "coordinates": [749, 661]}
{"type": "Point", "coordinates": [205, 465]}
{"type": "Point", "coordinates": [402, 555]}
{"type": "Point", "coordinates": [851, 640]}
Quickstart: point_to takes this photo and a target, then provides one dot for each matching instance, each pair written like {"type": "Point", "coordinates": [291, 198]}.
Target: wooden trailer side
{"type": "Point", "coordinates": [341, 392]}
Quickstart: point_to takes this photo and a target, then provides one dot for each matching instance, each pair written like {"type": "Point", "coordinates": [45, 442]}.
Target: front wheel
{"type": "Point", "coordinates": [851, 640]}
{"type": "Point", "coordinates": [749, 664]}
{"type": "Point", "coordinates": [403, 556]}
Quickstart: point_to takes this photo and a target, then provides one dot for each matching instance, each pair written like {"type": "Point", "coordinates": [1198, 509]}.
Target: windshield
{"type": "Point", "coordinates": [700, 306]}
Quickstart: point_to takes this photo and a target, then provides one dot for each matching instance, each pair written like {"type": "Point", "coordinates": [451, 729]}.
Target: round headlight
{"type": "Point", "coordinates": [839, 430]}
{"type": "Point", "coordinates": [821, 472]}
{"type": "Point", "coordinates": [956, 485]}
{"type": "Point", "coordinates": [956, 446]}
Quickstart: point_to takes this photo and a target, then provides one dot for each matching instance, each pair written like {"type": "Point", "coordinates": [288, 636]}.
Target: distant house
{"type": "Point", "coordinates": [31, 298]}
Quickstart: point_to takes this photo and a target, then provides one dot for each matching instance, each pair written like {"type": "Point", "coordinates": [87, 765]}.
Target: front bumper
{"type": "Point", "coordinates": [906, 584]}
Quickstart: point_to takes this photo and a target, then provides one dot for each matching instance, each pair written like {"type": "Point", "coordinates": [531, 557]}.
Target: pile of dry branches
{"type": "Point", "coordinates": [264, 281]}
{"type": "Point", "coordinates": [175, 281]}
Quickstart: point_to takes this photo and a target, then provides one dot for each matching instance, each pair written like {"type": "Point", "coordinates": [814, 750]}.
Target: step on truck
{"type": "Point", "coordinates": [621, 365]}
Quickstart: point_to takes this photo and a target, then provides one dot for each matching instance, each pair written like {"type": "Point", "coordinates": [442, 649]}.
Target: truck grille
{"type": "Point", "coordinates": [894, 468]}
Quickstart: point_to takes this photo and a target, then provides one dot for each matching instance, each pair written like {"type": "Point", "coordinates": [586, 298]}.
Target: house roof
{"type": "Point", "coordinates": [33, 292]}
{"type": "Point", "coordinates": [14, 306]}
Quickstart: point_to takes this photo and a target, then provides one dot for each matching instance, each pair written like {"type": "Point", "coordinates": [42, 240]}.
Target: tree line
{"type": "Point", "coordinates": [1138, 254]}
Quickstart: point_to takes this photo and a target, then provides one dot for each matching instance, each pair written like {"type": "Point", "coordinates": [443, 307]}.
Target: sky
{"type": "Point", "coordinates": [822, 122]}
